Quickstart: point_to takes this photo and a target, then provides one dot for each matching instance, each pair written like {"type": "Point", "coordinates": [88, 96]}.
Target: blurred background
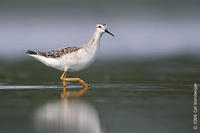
{"type": "Point", "coordinates": [142, 80]}
{"type": "Point", "coordinates": [152, 36]}
{"type": "Point", "coordinates": [143, 28]}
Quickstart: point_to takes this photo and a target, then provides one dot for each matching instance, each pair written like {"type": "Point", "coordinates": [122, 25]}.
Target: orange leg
{"type": "Point", "coordinates": [77, 79]}
{"type": "Point", "coordinates": [64, 79]}
{"type": "Point", "coordinates": [65, 94]}
{"type": "Point", "coordinates": [64, 75]}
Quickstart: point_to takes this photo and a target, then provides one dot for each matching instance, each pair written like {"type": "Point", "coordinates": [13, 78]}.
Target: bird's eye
{"type": "Point", "coordinates": [99, 26]}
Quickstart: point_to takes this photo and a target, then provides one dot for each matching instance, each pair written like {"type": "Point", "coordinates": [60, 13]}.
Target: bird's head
{"type": "Point", "coordinates": [103, 28]}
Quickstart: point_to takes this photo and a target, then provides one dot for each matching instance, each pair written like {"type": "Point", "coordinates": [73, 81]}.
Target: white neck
{"type": "Point", "coordinates": [95, 38]}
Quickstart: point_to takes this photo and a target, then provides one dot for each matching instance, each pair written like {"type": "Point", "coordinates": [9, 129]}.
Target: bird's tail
{"type": "Point", "coordinates": [31, 52]}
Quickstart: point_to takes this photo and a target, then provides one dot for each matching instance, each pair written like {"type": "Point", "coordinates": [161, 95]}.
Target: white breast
{"type": "Point", "coordinates": [78, 60]}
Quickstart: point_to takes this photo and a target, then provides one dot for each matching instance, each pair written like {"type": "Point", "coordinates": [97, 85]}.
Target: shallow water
{"type": "Point", "coordinates": [129, 96]}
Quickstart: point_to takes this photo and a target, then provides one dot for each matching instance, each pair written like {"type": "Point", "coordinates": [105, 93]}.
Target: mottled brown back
{"type": "Point", "coordinates": [59, 53]}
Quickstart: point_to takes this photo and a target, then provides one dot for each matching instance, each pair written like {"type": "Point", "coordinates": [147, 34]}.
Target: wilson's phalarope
{"type": "Point", "coordinates": [72, 58]}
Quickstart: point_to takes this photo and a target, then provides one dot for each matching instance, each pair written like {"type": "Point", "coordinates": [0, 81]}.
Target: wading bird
{"type": "Point", "coordinates": [71, 59]}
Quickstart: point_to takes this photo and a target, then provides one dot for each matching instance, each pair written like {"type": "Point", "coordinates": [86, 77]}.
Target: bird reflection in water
{"type": "Point", "coordinates": [66, 94]}
{"type": "Point", "coordinates": [69, 115]}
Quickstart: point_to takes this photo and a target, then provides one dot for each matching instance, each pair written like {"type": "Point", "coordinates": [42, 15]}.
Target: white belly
{"type": "Point", "coordinates": [77, 60]}
{"type": "Point", "coordinates": [74, 61]}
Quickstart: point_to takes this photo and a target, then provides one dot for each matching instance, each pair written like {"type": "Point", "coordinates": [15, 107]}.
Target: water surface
{"type": "Point", "coordinates": [127, 96]}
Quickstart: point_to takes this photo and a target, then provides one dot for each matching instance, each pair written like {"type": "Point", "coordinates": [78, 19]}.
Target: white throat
{"type": "Point", "coordinates": [95, 38]}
